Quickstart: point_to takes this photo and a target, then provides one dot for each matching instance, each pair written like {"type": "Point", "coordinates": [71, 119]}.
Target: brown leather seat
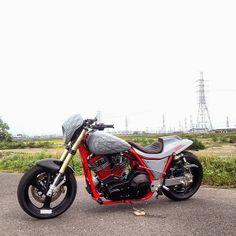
{"type": "Point", "coordinates": [154, 148]}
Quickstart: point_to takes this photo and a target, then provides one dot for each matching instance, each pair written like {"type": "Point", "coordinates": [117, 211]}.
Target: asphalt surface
{"type": "Point", "coordinates": [209, 212]}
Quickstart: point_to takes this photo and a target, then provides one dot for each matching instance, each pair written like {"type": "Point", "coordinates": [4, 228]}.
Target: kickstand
{"type": "Point", "coordinates": [137, 212]}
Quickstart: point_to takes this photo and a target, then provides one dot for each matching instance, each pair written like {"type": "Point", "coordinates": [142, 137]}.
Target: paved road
{"type": "Point", "coordinates": [209, 212]}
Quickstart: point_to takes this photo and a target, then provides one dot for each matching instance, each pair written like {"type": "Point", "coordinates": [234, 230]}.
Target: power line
{"type": "Point", "coordinates": [99, 116]}
{"type": "Point", "coordinates": [227, 122]}
{"type": "Point", "coordinates": [163, 124]}
{"type": "Point", "coordinates": [191, 123]}
{"type": "Point", "coordinates": [203, 117]}
{"type": "Point", "coordinates": [126, 125]}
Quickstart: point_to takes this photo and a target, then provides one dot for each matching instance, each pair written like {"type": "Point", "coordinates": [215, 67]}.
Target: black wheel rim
{"type": "Point", "coordinates": [47, 205]}
{"type": "Point", "coordinates": [183, 190]}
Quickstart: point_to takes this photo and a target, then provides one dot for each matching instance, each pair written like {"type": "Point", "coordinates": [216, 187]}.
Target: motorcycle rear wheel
{"type": "Point", "coordinates": [32, 189]}
{"type": "Point", "coordinates": [178, 193]}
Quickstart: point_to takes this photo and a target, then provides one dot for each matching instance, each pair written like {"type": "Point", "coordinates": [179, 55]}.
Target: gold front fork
{"type": "Point", "coordinates": [68, 154]}
{"type": "Point", "coordinates": [64, 155]}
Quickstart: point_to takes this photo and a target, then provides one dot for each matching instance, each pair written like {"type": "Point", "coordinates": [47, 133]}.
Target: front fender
{"type": "Point", "coordinates": [52, 164]}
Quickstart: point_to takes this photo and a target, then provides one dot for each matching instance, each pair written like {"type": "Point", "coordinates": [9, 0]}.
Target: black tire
{"type": "Point", "coordinates": [32, 190]}
{"type": "Point", "coordinates": [197, 173]}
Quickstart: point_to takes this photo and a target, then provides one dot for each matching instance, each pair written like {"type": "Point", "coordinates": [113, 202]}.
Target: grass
{"type": "Point", "coordinates": [22, 145]}
{"type": "Point", "coordinates": [200, 141]}
{"type": "Point", "coordinates": [213, 139]}
{"type": "Point", "coordinates": [219, 167]}
{"type": "Point", "coordinates": [21, 162]}
{"type": "Point", "coordinates": [218, 171]}
{"type": "Point", "coordinates": [31, 144]}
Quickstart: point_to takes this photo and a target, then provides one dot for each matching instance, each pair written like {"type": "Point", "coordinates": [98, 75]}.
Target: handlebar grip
{"type": "Point", "coordinates": [91, 121]}
{"type": "Point", "coordinates": [109, 126]}
{"type": "Point", "coordinates": [102, 126]}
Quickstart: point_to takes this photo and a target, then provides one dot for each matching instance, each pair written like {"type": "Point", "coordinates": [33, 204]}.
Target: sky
{"type": "Point", "coordinates": [134, 59]}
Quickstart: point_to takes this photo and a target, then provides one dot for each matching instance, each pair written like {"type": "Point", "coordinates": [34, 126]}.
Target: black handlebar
{"type": "Point", "coordinates": [100, 126]}
{"type": "Point", "coordinates": [90, 121]}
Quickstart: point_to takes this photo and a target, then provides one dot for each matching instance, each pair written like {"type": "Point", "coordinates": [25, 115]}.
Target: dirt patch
{"type": "Point", "coordinates": [33, 150]}
{"type": "Point", "coordinates": [225, 150]}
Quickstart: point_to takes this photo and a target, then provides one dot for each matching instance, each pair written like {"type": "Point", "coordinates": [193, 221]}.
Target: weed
{"type": "Point", "coordinates": [218, 171]}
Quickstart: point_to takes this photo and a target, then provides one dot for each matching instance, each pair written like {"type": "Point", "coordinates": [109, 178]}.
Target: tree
{"type": "Point", "coordinates": [4, 135]}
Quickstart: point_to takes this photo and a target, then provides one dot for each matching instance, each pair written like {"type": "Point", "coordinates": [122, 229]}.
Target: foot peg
{"type": "Point", "coordinates": [166, 188]}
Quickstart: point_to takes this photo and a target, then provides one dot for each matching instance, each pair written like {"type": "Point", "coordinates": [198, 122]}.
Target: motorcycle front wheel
{"type": "Point", "coordinates": [32, 190]}
{"type": "Point", "coordinates": [181, 192]}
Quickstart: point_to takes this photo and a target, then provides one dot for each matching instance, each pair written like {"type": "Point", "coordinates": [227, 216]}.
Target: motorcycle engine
{"type": "Point", "coordinates": [110, 165]}
{"type": "Point", "coordinates": [115, 181]}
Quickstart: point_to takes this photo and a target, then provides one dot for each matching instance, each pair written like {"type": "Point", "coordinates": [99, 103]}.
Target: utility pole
{"type": "Point", "coordinates": [191, 123]}
{"type": "Point", "coordinates": [203, 117]}
{"type": "Point", "coordinates": [99, 116]}
{"type": "Point", "coordinates": [126, 125]}
{"type": "Point", "coordinates": [180, 127]}
{"type": "Point", "coordinates": [185, 125]}
{"type": "Point", "coordinates": [227, 122]}
{"type": "Point", "coordinates": [163, 124]}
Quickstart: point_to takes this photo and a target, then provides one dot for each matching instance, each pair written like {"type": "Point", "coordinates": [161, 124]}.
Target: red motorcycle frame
{"type": "Point", "coordinates": [84, 152]}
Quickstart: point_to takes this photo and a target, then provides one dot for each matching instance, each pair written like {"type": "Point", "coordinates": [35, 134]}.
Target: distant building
{"type": "Point", "coordinates": [199, 130]}
{"type": "Point", "coordinates": [225, 130]}
{"type": "Point", "coordinates": [20, 137]}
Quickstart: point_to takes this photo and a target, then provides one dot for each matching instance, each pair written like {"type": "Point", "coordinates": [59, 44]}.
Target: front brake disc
{"type": "Point", "coordinates": [39, 196]}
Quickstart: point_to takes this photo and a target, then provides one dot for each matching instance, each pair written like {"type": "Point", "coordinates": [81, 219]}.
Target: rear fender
{"type": "Point", "coordinates": [183, 145]}
{"type": "Point", "coordinates": [53, 164]}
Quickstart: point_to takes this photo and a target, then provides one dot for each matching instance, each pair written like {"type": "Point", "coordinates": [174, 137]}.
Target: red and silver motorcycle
{"type": "Point", "coordinates": [115, 171]}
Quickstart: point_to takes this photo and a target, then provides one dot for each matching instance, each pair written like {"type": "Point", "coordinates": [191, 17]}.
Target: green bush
{"type": "Point", "coordinates": [143, 140]}
{"type": "Point", "coordinates": [232, 139]}
{"type": "Point", "coordinates": [26, 144]}
{"type": "Point", "coordinates": [197, 145]}
{"type": "Point", "coordinates": [4, 134]}
{"type": "Point", "coordinates": [219, 171]}
{"type": "Point", "coordinates": [214, 139]}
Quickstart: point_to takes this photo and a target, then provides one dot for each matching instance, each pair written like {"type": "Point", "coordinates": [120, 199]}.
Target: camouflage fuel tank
{"type": "Point", "coordinates": [101, 143]}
